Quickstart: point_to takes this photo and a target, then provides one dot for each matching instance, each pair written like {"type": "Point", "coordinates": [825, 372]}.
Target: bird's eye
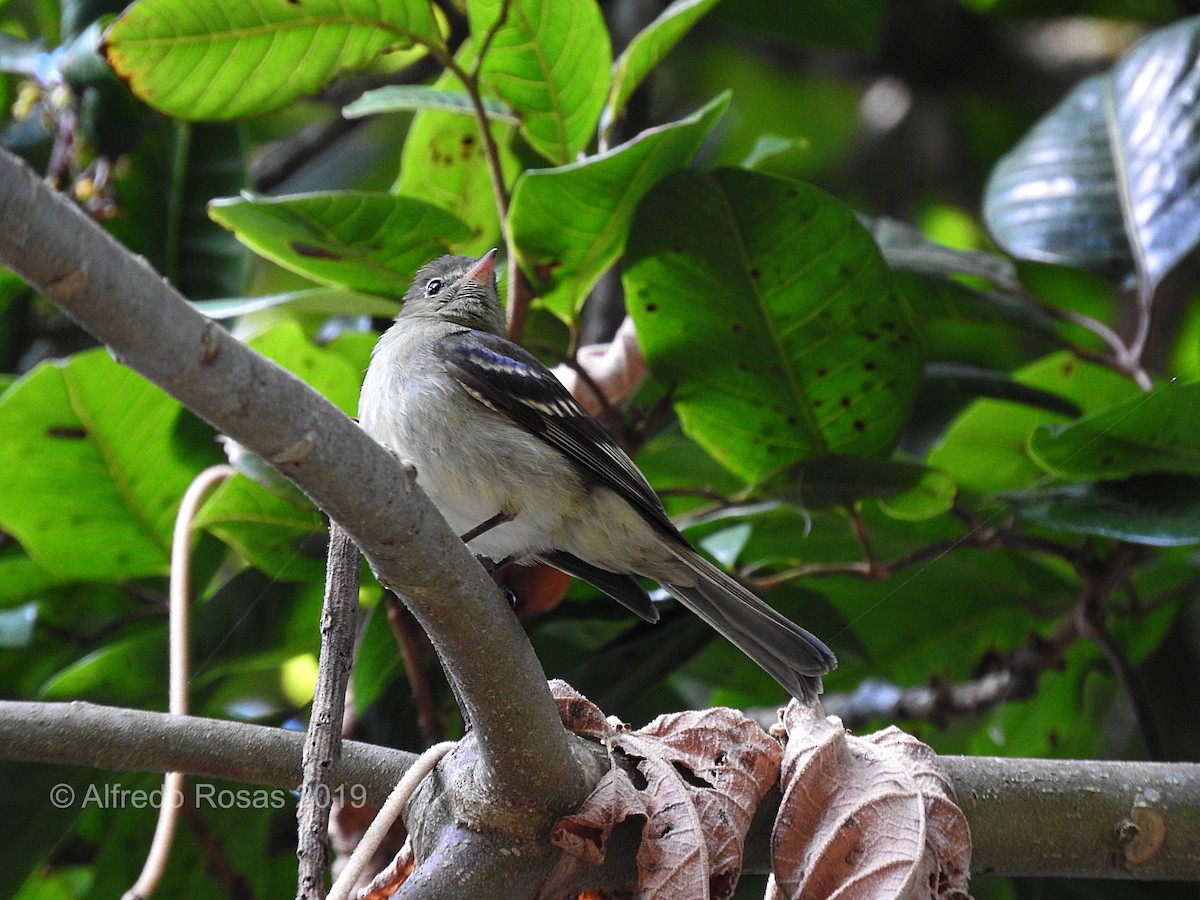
{"type": "Point", "coordinates": [434, 285]}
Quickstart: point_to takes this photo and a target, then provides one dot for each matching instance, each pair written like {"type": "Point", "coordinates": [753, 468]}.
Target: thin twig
{"type": "Point", "coordinates": [323, 744]}
{"type": "Point", "coordinates": [173, 782]}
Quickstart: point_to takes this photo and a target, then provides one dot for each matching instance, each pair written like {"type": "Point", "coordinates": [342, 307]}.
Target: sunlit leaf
{"type": "Point", "coordinates": [225, 58]}
{"type": "Point", "coordinates": [570, 223]}
{"type": "Point", "coordinates": [363, 241]}
{"type": "Point", "coordinates": [93, 466]}
{"type": "Point", "coordinates": [646, 50]}
{"type": "Point", "coordinates": [444, 163]}
{"type": "Point", "coordinates": [768, 309]}
{"type": "Point", "coordinates": [986, 448]}
{"type": "Point", "coordinates": [1155, 432]}
{"type": "Point", "coordinates": [549, 61]}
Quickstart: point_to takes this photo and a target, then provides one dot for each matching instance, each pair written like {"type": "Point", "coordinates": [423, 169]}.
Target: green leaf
{"type": "Point", "coordinates": [1155, 432]}
{"type": "Point", "coordinates": [443, 163]}
{"type": "Point", "coordinates": [1110, 178]}
{"type": "Point", "coordinates": [905, 247]}
{"type": "Point", "coordinates": [768, 308]}
{"type": "Point", "coordinates": [278, 535]}
{"type": "Point", "coordinates": [647, 49]}
{"type": "Point", "coordinates": [409, 97]}
{"type": "Point", "coordinates": [549, 61]}
{"type": "Point", "coordinates": [323, 301]}
{"type": "Point", "coordinates": [985, 448]}
{"type": "Point", "coordinates": [226, 58]}
{"type": "Point", "coordinates": [92, 468]}
{"type": "Point", "coordinates": [570, 223]}
{"type": "Point", "coordinates": [322, 368]}
{"type": "Point", "coordinates": [363, 241]}
{"type": "Point", "coordinates": [1159, 510]}
{"type": "Point", "coordinates": [837, 481]}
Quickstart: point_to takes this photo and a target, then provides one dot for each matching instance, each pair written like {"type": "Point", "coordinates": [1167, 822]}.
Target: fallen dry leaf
{"type": "Point", "coordinates": [865, 818]}
{"type": "Point", "coordinates": [698, 778]}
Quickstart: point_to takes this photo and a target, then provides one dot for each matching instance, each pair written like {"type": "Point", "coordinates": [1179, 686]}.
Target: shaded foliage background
{"type": "Point", "coordinates": [947, 478]}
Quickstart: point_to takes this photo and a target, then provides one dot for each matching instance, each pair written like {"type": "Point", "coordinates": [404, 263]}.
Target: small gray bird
{"type": "Point", "coordinates": [518, 468]}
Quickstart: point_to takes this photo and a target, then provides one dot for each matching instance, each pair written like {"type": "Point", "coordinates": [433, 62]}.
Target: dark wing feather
{"type": "Point", "coordinates": [625, 589]}
{"type": "Point", "coordinates": [513, 382]}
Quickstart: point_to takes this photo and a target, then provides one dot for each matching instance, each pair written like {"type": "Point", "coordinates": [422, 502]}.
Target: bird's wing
{"type": "Point", "coordinates": [512, 382]}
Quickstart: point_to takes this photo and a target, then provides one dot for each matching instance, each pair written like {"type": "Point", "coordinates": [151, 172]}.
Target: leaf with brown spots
{"type": "Point", "coordinates": [865, 817]}
{"type": "Point", "coordinates": [774, 317]}
{"type": "Point", "coordinates": [693, 779]}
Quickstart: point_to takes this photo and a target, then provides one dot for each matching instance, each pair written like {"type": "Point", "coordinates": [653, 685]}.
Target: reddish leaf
{"type": "Point", "coordinates": [865, 817]}
{"type": "Point", "coordinates": [702, 775]}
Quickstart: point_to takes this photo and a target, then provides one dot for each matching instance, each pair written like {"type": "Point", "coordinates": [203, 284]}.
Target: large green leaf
{"type": "Point", "coordinates": [364, 241]}
{"type": "Point", "coordinates": [570, 223]}
{"type": "Point", "coordinates": [986, 448]}
{"type": "Point", "coordinates": [767, 307]}
{"type": "Point", "coordinates": [222, 59]}
{"type": "Point", "coordinates": [1110, 178]}
{"type": "Point", "coordinates": [647, 50]}
{"type": "Point", "coordinates": [94, 462]}
{"type": "Point", "coordinates": [549, 61]}
{"type": "Point", "coordinates": [1155, 432]}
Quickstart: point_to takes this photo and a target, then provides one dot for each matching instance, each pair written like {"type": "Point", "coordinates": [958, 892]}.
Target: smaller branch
{"type": "Point", "coordinates": [180, 600]}
{"type": "Point", "coordinates": [323, 745]}
{"type": "Point", "coordinates": [408, 640]}
{"type": "Point", "coordinates": [383, 821]}
{"type": "Point", "coordinates": [981, 538]}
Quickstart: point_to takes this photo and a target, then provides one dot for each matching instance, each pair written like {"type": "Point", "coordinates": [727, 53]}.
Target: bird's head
{"type": "Point", "coordinates": [459, 289]}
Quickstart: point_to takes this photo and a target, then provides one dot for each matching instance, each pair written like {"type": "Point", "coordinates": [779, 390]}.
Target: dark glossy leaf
{"type": "Point", "coordinates": [1159, 510]}
{"type": "Point", "coordinates": [905, 247]}
{"type": "Point", "coordinates": [914, 491]}
{"type": "Point", "coordinates": [768, 309]}
{"type": "Point", "coordinates": [972, 381]}
{"type": "Point", "coordinates": [163, 196]}
{"type": "Point", "coordinates": [324, 301]}
{"type": "Point", "coordinates": [1155, 432]}
{"type": "Point", "coordinates": [570, 223]}
{"type": "Point", "coordinates": [1110, 179]}
{"type": "Point", "coordinates": [549, 62]}
{"type": "Point", "coordinates": [227, 58]}
{"type": "Point", "coordinates": [937, 299]}
{"type": "Point", "coordinates": [355, 239]}
{"type": "Point", "coordinates": [1054, 196]}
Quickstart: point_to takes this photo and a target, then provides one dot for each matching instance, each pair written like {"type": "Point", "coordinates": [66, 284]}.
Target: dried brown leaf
{"type": "Point", "coordinates": [697, 779]}
{"type": "Point", "coordinates": [865, 817]}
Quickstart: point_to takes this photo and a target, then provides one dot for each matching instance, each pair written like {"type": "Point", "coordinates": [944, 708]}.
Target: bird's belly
{"type": "Point", "coordinates": [473, 468]}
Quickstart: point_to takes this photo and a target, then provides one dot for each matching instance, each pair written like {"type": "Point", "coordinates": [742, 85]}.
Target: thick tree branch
{"type": "Point", "coordinates": [149, 327]}
{"type": "Point", "coordinates": [1082, 818]}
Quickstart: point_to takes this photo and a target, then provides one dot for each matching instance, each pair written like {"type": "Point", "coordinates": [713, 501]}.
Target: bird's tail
{"type": "Point", "coordinates": [784, 650]}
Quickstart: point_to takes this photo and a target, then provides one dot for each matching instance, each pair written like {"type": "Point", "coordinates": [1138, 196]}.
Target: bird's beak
{"type": "Point", "coordinates": [483, 272]}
